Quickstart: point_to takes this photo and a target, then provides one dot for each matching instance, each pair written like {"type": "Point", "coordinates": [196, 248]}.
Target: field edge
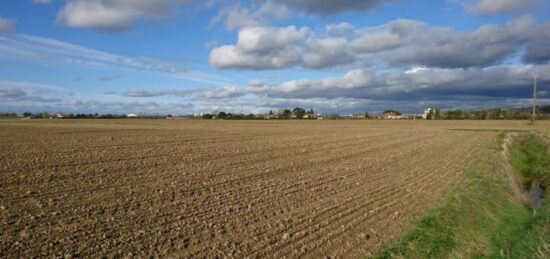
{"type": "Point", "coordinates": [508, 229]}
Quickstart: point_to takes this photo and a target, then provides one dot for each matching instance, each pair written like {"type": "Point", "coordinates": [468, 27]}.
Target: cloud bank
{"type": "Point", "coordinates": [399, 43]}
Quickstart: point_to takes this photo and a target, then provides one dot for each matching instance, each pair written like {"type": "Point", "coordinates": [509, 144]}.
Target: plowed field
{"type": "Point", "coordinates": [90, 188]}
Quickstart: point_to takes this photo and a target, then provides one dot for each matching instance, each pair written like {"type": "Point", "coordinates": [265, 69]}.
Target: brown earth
{"type": "Point", "coordinates": [257, 189]}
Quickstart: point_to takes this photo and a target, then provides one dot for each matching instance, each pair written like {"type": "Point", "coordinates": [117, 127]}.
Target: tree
{"type": "Point", "coordinates": [285, 114]}
{"type": "Point", "coordinates": [430, 115]}
{"type": "Point", "coordinates": [480, 115]}
{"type": "Point", "coordinates": [498, 114]}
{"type": "Point", "coordinates": [222, 115]}
{"type": "Point", "coordinates": [334, 116]}
{"type": "Point", "coordinates": [207, 116]}
{"type": "Point", "coordinates": [299, 112]}
{"type": "Point", "coordinates": [392, 111]}
{"type": "Point", "coordinates": [367, 115]}
{"type": "Point", "coordinates": [454, 114]}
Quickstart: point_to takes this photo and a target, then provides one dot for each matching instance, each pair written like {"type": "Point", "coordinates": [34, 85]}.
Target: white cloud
{"type": "Point", "coordinates": [340, 29]}
{"type": "Point", "coordinates": [327, 52]}
{"type": "Point", "coordinates": [265, 39]}
{"type": "Point", "coordinates": [491, 7]}
{"type": "Point", "coordinates": [237, 16]}
{"type": "Point", "coordinates": [414, 84]}
{"type": "Point", "coordinates": [376, 41]}
{"type": "Point", "coordinates": [400, 43]}
{"type": "Point", "coordinates": [256, 83]}
{"type": "Point", "coordinates": [261, 48]}
{"type": "Point", "coordinates": [113, 14]}
{"type": "Point", "coordinates": [328, 7]}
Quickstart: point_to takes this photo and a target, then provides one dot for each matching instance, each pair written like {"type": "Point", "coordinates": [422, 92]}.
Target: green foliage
{"type": "Point", "coordinates": [333, 116]}
{"type": "Point", "coordinates": [531, 161]}
{"type": "Point", "coordinates": [207, 116]}
{"type": "Point", "coordinates": [533, 241]}
{"type": "Point", "coordinates": [430, 115]}
{"type": "Point", "coordinates": [286, 113]}
{"type": "Point", "coordinates": [437, 114]}
{"type": "Point", "coordinates": [299, 112]}
{"type": "Point", "coordinates": [480, 115]}
{"type": "Point", "coordinates": [454, 115]}
{"type": "Point", "coordinates": [222, 115]}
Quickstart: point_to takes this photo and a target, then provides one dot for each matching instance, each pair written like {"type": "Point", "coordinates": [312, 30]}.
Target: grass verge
{"type": "Point", "coordinates": [479, 219]}
{"type": "Point", "coordinates": [530, 159]}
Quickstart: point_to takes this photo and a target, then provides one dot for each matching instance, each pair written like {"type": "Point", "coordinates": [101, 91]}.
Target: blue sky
{"type": "Point", "coordinates": [185, 56]}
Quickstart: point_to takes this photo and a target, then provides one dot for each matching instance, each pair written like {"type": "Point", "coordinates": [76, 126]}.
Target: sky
{"type": "Point", "coordinates": [345, 56]}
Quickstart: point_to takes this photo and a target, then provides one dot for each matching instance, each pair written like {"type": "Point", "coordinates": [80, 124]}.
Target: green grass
{"type": "Point", "coordinates": [533, 240]}
{"type": "Point", "coordinates": [479, 219]}
{"type": "Point", "coordinates": [531, 160]}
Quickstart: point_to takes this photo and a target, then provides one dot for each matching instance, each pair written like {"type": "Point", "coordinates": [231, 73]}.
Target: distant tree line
{"type": "Point", "coordinates": [524, 113]}
{"type": "Point", "coordinates": [283, 114]}
{"type": "Point", "coordinates": [489, 114]}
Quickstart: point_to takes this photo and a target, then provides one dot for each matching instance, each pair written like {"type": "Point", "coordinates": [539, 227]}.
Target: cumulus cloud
{"type": "Point", "coordinates": [399, 43]}
{"type": "Point", "coordinates": [222, 93]}
{"type": "Point", "coordinates": [238, 16]}
{"type": "Point", "coordinates": [376, 41]}
{"type": "Point", "coordinates": [357, 90]}
{"type": "Point", "coordinates": [327, 52]}
{"type": "Point", "coordinates": [256, 83]}
{"type": "Point", "coordinates": [261, 48]}
{"type": "Point", "coordinates": [113, 15]}
{"type": "Point", "coordinates": [416, 84]}
{"type": "Point", "coordinates": [491, 7]}
{"type": "Point", "coordinates": [6, 26]}
{"type": "Point", "coordinates": [362, 89]}
{"type": "Point", "coordinates": [340, 29]}
{"type": "Point", "coordinates": [444, 47]}
{"type": "Point", "coordinates": [328, 7]}
{"type": "Point", "coordinates": [537, 49]}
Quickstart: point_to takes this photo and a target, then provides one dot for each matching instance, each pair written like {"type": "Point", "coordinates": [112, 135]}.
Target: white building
{"type": "Point", "coordinates": [131, 115]}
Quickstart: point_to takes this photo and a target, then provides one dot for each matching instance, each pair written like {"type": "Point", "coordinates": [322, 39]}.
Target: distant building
{"type": "Point", "coordinates": [131, 115]}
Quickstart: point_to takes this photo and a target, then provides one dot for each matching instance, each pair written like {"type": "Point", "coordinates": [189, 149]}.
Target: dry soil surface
{"type": "Point", "coordinates": [256, 189]}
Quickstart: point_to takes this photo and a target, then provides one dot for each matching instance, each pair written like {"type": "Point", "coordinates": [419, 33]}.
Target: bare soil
{"type": "Point", "coordinates": [256, 189]}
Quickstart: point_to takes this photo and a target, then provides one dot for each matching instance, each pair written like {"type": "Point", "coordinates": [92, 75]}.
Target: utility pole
{"type": "Point", "coordinates": [534, 98]}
